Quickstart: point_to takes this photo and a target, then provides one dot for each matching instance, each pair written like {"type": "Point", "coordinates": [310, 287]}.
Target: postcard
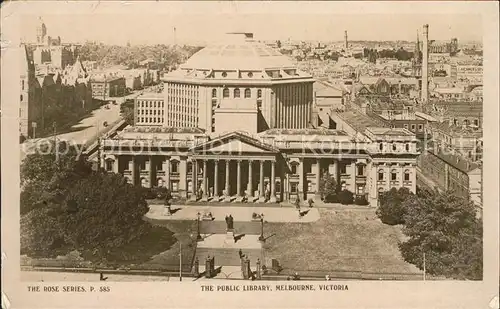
{"type": "Point", "coordinates": [249, 154]}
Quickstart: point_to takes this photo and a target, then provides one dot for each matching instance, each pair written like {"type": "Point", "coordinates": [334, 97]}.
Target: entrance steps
{"type": "Point", "coordinates": [219, 227]}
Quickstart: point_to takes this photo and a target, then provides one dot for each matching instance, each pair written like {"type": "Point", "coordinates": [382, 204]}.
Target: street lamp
{"type": "Point", "coordinates": [198, 236]}
{"type": "Point", "coordinates": [261, 237]}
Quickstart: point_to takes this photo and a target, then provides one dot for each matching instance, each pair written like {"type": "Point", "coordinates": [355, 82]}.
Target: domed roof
{"type": "Point", "coordinates": [234, 54]}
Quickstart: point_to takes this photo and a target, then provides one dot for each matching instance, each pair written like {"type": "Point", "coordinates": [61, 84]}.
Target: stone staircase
{"type": "Point", "coordinates": [219, 227]}
{"type": "Point", "coordinates": [228, 257]}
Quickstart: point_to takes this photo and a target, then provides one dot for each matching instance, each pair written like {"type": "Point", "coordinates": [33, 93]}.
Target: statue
{"type": "Point", "coordinates": [229, 222]}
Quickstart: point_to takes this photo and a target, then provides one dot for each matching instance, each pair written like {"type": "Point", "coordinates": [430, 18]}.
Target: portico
{"type": "Point", "coordinates": [236, 167]}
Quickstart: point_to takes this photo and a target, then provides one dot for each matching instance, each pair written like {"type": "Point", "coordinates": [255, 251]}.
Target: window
{"type": "Point", "coordinates": [175, 186]}
{"type": "Point", "coordinates": [380, 146]}
{"type": "Point", "coordinates": [278, 186]}
{"type": "Point", "coordinates": [21, 97]}
{"type": "Point", "coordinates": [394, 175]}
{"type": "Point", "coordinates": [259, 93]}
{"type": "Point", "coordinates": [259, 104]}
{"type": "Point", "coordinates": [309, 186]}
{"type": "Point", "coordinates": [293, 167]}
{"type": "Point", "coordinates": [293, 187]}
{"type": "Point", "coordinates": [413, 127]}
{"type": "Point", "coordinates": [394, 147]}
{"type": "Point", "coordinates": [174, 168]}
{"type": "Point", "coordinates": [225, 93]}
{"type": "Point", "coordinates": [247, 93]}
{"type": "Point", "coordinates": [407, 147]}
{"type": "Point", "coordinates": [361, 170]}
{"type": "Point", "coordinates": [420, 127]}
{"type": "Point", "coordinates": [159, 165]}
{"type": "Point", "coordinates": [380, 174]}
{"type": "Point", "coordinates": [307, 168]}
{"type": "Point", "coordinates": [405, 126]}
{"type": "Point", "coordinates": [250, 74]}
{"type": "Point", "coordinates": [142, 165]}
{"type": "Point", "coordinates": [237, 92]}
{"type": "Point", "coordinates": [189, 167]}
{"type": "Point", "coordinates": [407, 175]}
{"type": "Point", "coordinates": [476, 122]}
{"type": "Point", "coordinates": [214, 93]}
{"type": "Point", "coordinates": [224, 74]}
{"type": "Point", "coordinates": [23, 84]}
{"type": "Point", "coordinates": [343, 169]}
{"type": "Point", "coordinates": [466, 122]}
{"type": "Point", "coordinates": [109, 165]}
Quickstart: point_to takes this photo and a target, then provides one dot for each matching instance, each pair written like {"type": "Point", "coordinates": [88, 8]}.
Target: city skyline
{"type": "Point", "coordinates": [202, 29]}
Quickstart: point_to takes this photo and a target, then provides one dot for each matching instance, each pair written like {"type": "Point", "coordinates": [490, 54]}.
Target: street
{"type": "Point", "coordinates": [85, 129]}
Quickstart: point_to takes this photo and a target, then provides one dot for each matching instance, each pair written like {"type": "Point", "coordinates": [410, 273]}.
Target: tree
{"type": "Point", "coordinates": [127, 111]}
{"type": "Point", "coordinates": [328, 188]}
{"type": "Point", "coordinates": [391, 208]}
{"type": "Point", "coordinates": [46, 177]}
{"type": "Point", "coordinates": [444, 227]}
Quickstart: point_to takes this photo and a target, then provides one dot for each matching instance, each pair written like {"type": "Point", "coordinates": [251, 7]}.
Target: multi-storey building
{"type": "Point", "coordinates": [236, 124]}
{"type": "Point", "coordinates": [106, 86]}
{"type": "Point", "coordinates": [149, 109]}
{"type": "Point", "coordinates": [453, 172]}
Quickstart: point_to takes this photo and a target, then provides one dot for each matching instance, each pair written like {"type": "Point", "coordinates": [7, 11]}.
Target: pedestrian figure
{"type": "Point", "coordinates": [327, 277]}
{"type": "Point", "coordinates": [240, 253]}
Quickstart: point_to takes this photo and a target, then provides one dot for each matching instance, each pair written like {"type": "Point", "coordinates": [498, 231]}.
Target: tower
{"type": "Point", "coordinates": [346, 43]}
{"type": "Point", "coordinates": [41, 31]}
{"type": "Point", "coordinates": [424, 96]}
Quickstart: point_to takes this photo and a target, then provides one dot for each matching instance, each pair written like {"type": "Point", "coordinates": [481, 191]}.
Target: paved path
{"type": "Point", "coordinates": [241, 214]}
{"type": "Point", "coordinates": [221, 241]}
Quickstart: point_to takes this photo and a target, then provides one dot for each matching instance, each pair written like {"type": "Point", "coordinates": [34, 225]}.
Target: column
{"type": "Point", "coordinates": [133, 171]}
{"type": "Point", "coordinates": [227, 179]}
{"type": "Point", "coordinates": [193, 180]}
{"type": "Point", "coordinates": [250, 184]}
{"type": "Point", "coordinates": [336, 175]}
{"type": "Point", "coordinates": [318, 179]}
{"type": "Point", "coordinates": [205, 181]}
{"type": "Point", "coordinates": [261, 183]}
{"type": "Point", "coordinates": [166, 168]}
{"type": "Point", "coordinates": [115, 165]}
{"type": "Point", "coordinates": [273, 182]}
{"type": "Point", "coordinates": [301, 179]}
{"type": "Point", "coordinates": [151, 173]}
{"type": "Point", "coordinates": [216, 181]}
{"type": "Point", "coordinates": [183, 174]}
{"type": "Point", "coordinates": [238, 180]}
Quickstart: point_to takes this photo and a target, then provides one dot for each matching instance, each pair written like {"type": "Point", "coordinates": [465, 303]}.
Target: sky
{"type": "Point", "coordinates": [202, 23]}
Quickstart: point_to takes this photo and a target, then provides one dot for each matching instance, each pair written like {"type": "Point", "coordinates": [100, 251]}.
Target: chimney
{"type": "Point", "coordinates": [425, 66]}
{"type": "Point", "coordinates": [346, 43]}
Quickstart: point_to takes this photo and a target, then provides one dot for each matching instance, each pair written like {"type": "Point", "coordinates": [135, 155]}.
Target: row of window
{"type": "Point", "coordinates": [342, 169]}
{"type": "Point", "coordinates": [149, 112]}
{"type": "Point", "coordinates": [414, 127]}
{"type": "Point", "coordinates": [394, 175]}
{"type": "Point", "coordinates": [236, 93]}
{"type": "Point", "coordinates": [381, 147]}
{"type": "Point", "coordinates": [150, 119]}
{"type": "Point", "coordinates": [152, 104]}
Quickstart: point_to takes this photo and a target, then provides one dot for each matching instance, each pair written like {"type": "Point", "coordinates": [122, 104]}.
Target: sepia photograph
{"type": "Point", "coordinates": [235, 147]}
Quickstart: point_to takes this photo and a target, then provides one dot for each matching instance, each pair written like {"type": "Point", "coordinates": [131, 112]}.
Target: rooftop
{"type": "Point", "coordinates": [456, 161]}
{"type": "Point", "coordinates": [458, 131]}
{"type": "Point", "coordinates": [359, 121]}
{"type": "Point", "coordinates": [147, 129]}
{"type": "Point", "coordinates": [241, 52]}
{"type": "Point", "coordinates": [305, 132]}
{"type": "Point", "coordinates": [151, 95]}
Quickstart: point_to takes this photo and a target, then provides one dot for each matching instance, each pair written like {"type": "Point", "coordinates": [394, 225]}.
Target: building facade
{"type": "Point", "coordinates": [235, 124]}
{"type": "Point", "coordinates": [105, 87]}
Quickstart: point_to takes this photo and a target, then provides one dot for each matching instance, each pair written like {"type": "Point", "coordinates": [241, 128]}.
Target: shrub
{"type": "Point", "coordinates": [391, 209]}
{"type": "Point", "coordinates": [361, 200]}
{"type": "Point", "coordinates": [345, 197]}
{"type": "Point", "coordinates": [310, 202]}
{"type": "Point", "coordinates": [331, 198]}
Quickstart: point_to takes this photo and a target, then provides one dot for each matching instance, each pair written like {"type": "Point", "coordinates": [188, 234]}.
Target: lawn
{"type": "Point", "coordinates": [342, 240]}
